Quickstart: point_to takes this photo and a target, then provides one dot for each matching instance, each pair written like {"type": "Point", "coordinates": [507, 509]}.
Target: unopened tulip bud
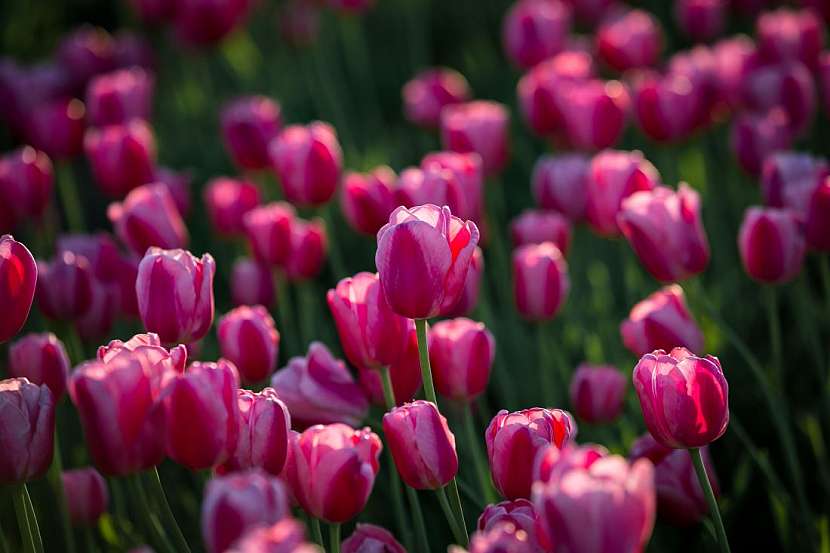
{"type": "Point", "coordinates": [787, 35]}
{"type": "Point", "coordinates": [227, 201]}
{"type": "Point", "coordinates": [593, 112]}
{"type": "Point", "coordinates": [629, 39]}
{"type": "Point", "coordinates": [368, 199]}
{"type": "Point", "coordinates": [18, 277]}
{"type": "Point", "coordinates": [597, 393]}
{"type": "Point", "coordinates": [268, 229]}
{"type": "Point", "coordinates": [148, 217]}
{"type": "Point", "coordinates": [252, 283]}
{"type": "Point", "coordinates": [117, 97]}
{"type": "Point", "coordinates": [540, 280]}
{"type": "Point", "coordinates": [27, 430]}
{"type": "Point", "coordinates": [308, 247]}
{"type": "Point", "coordinates": [534, 226]}
{"type": "Point", "coordinates": [86, 495]}
{"type": "Point", "coordinates": [25, 185]}
{"type": "Point", "coordinates": [479, 126]}
{"type": "Point", "coordinates": [122, 157]}
{"type": "Point", "coordinates": [786, 86]}
{"type": "Point", "coordinates": [429, 91]}
{"type": "Point", "coordinates": [248, 337]}
{"type": "Point", "coordinates": [560, 184]}
{"type": "Point", "coordinates": [755, 136]}
{"type": "Point", "coordinates": [461, 354]}
{"type": "Point", "coordinates": [307, 161]}
{"type": "Point", "coordinates": [42, 359]}
{"type": "Point", "coordinates": [788, 179]}
{"type": "Point", "coordinates": [57, 127]}
{"type": "Point", "coordinates": [64, 287]}
{"type": "Point", "coordinates": [661, 321]}
{"type": "Point", "coordinates": [534, 31]}
{"type": "Point", "coordinates": [248, 125]}
{"type": "Point", "coordinates": [771, 244]}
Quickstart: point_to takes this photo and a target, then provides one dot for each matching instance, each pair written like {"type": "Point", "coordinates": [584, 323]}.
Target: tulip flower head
{"type": "Point", "coordinates": [86, 495]}
{"type": "Point", "coordinates": [27, 430]}
{"type": "Point", "coordinates": [540, 280]}
{"type": "Point", "coordinates": [42, 359]}
{"type": "Point", "coordinates": [426, 94]}
{"type": "Point", "coordinates": [18, 277]}
{"type": "Point", "coordinates": [248, 125]}
{"type": "Point", "coordinates": [479, 126]}
{"type": "Point", "coordinates": [461, 353]}
{"type": "Point", "coordinates": [771, 244]}
{"type": "Point", "coordinates": [227, 201]}
{"type": "Point", "coordinates": [534, 31]}
{"type": "Point", "coordinates": [368, 537]}
{"type": "Point", "coordinates": [148, 217]}
{"type": "Point", "coordinates": [661, 321]}
{"type": "Point", "coordinates": [307, 161]}
{"type": "Point", "coordinates": [560, 184]}
{"type": "Point", "coordinates": [248, 337]}
{"type": "Point", "coordinates": [597, 393]}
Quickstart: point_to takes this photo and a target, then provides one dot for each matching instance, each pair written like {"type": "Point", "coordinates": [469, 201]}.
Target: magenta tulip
{"type": "Point", "coordinates": [122, 157]}
{"type": "Point", "coordinates": [817, 225]}
{"type": "Point", "coordinates": [786, 86]}
{"type": "Point", "coordinates": [249, 123]}
{"type": "Point", "coordinates": [118, 97]}
{"type": "Point", "coordinates": [368, 538]}
{"type": "Point", "coordinates": [368, 199]}
{"type": "Point", "coordinates": [248, 337]}
{"type": "Point", "coordinates": [307, 161]}
{"type": "Point", "coordinates": [667, 107]}
{"type": "Point", "coordinates": [593, 112]}
{"type": "Point", "coordinates": [518, 512]}
{"type": "Point", "coordinates": [533, 31]}
{"type": "Point", "coordinates": [461, 353]}
{"type": "Point", "coordinates": [754, 136]}
{"type": "Point", "coordinates": [597, 393]}
{"type": "Point", "coordinates": [788, 179]}
{"type": "Point", "coordinates": [534, 226]}
{"type": "Point", "coordinates": [64, 287]}
{"type": "Point", "coordinates": [148, 217]}
{"type": "Point", "coordinates": [771, 244]}
{"type": "Point", "coordinates": [560, 184]}
{"type": "Point", "coordinates": [203, 22]}
{"type": "Point", "coordinates": [503, 538]}
{"type": "Point", "coordinates": [286, 536]}
{"type": "Point", "coordinates": [661, 321]}
{"type": "Point", "coordinates": [86, 495]}
{"type": "Point", "coordinates": [18, 277]}
{"type": "Point", "coordinates": [160, 363]}
{"type": "Point", "coordinates": [57, 127]}
{"type": "Point", "coordinates": [86, 51]}
{"type": "Point", "coordinates": [42, 359]}
{"type": "Point", "coordinates": [479, 126]}
{"type": "Point", "coordinates": [426, 94]}
{"type": "Point", "coordinates": [734, 58]}
{"type": "Point", "coordinates": [268, 228]}
{"type": "Point", "coordinates": [27, 429]}
{"type": "Point", "coordinates": [308, 248]}
{"type": "Point", "coordinates": [629, 39]}
{"type": "Point", "coordinates": [787, 35]}
{"type": "Point", "coordinates": [25, 186]}
{"type": "Point", "coordinates": [252, 283]}
{"type": "Point", "coordinates": [701, 20]}
{"type": "Point", "coordinates": [466, 197]}
{"type": "Point", "coordinates": [227, 201]}
{"type": "Point", "coordinates": [540, 280]}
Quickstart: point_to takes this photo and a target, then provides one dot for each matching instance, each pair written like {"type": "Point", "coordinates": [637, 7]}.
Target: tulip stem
{"type": "Point", "coordinates": [21, 511]}
{"type": "Point", "coordinates": [544, 367]}
{"type": "Point", "coordinates": [334, 538]}
{"type": "Point", "coordinates": [458, 533]}
{"type": "Point", "coordinates": [56, 480]}
{"type": "Point", "coordinates": [455, 500]}
{"type": "Point", "coordinates": [32, 516]}
{"type": "Point", "coordinates": [316, 534]}
{"type": "Point", "coordinates": [774, 335]}
{"type": "Point", "coordinates": [148, 513]}
{"type": "Point", "coordinates": [166, 511]}
{"type": "Point", "coordinates": [478, 458]}
{"type": "Point", "coordinates": [703, 478]}
{"type": "Point", "coordinates": [338, 267]}
{"type": "Point", "coordinates": [824, 267]}
{"type": "Point", "coordinates": [285, 315]}
{"type": "Point", "coordinates": [423, 352]}
{"type": "Point", "coordinates": [69, 197]}
{"type": "Point", "coordinates": [417, 514]}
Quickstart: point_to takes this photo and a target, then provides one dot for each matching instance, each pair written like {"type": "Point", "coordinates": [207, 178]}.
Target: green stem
{"type": "Point", "coordinates": [32, 516]}
{"type": "Point", "coordinates": [306, 310]}
{"type": "Point", "coordinates": [148, 513]}
{"type": "Point", "coordinates": [26, 536]}
{"type": "Point", "coordinates": [89, 539]}
{"type": "Point", "coordinates": [334, 538]}
{"type": "Point", "coordinates": [774, 335]}
{"type": "Point", "coordinates": [338, 266]}
{"type": "Point", "coordinates": [285, 316]}
{"type": "Point", "coordinates": [478, 456]}
{"type": "Point", "coordinates": [824, 267]}
{"type": "Point", "coordinates": [316, 533]}
{"type": "Point", "coordinates": [420, 526]}
{"type": "Point", "coordinates": [545, 366]}
{"type": "Point", "coordinates": [455, 501]}
{"type": "Point", "coordinates": [423, 352]}
{"type": "Point", "coordinates": [457, 532]}
{"type": "Point", "coordinates": [68, 192]}
{"type": "Point", "coordinates": [56, 481]}
{"type": "Point", "coordinates": [703, 478]}
{"type": "Point", "coordinates": [170, 520]}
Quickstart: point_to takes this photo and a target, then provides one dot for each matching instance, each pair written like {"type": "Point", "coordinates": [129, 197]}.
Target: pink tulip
{"type": "Point", "coordinates": [593, 112]}
{"type": "Point", "coordinates": [701, 20]}
{"type": "Point", "coordinates": [667, 107]}
{"type": "Point", "coordinates": [371, 334]}
{"type": "Point", "coordinates": [227, 200]}
{"type": "Point", "coordinates": [560, 184]}
{"type": "Point", "coordinates": [159, 363]}
{"type": "Point", "coordinates": [18, 276]}
{"type": "Point", "coordinates": [178, 184]}
{"type": "Point", "coordinates": [332, 469]}
{"type": "Point", "coordinates": [597, 393]}
{"type": "Point", "coordinates": [685, 399]}
{"type": "Point", "coordinates": [540, 280]}
{"type": "Point", "coordinates": [57, 127]}
{"type": "Point", "coordinates": [299, 23]}
{"type": "Point", "coordinates": [268, 228]}
{"type": "Point", "coordinates": [202, 415]}
{"type": "Point", "coordinates": [514, 439]}
{"type": "Point", "coordinates": [503, 538]}
{"type": "Point", "coordinates": [368, 538]}
{"type": "Point", "coordinates": [368, 199]}
{"type": "Point", "coordinates": [534, 226]}
{"type": "Point", "coordinates": [479, 126]}
{"type": "Point", "coordinates": [461, 353]}
{"type": "Point", "coordinates": [318, 389]}
{"type": "Point", "coordinates": [264, 423]}
{"type": "Point", "coordinates": [251, 283]}
{"type": "Point", "coordinates": [465, 201]}
{"type": "Point", "coordinates": [249, 123]}
{"type": "Point", "coordinates": [421, 445]}
{"type": "Point", "coordinates": [590, 12]}
{"type": "Point", "coordinates": [661, 321]}
{"type": "Point", "coordinates": [734, 58]}
{"type": "Point", "coordinates": [788, 87]}
{"type": "Point", "coordinates": [42, 359]}
{"type": "Point", "coordinates": [148, 217]}
{"type": "Point", "coordinates": [787, 35]}
{"type": "Point", "coordinates": [788, 179]}
{"type": "Point", "coordinates": [85, 52]}
{"type": "Point", "coordinates": [27, 428]}
{"type": "Point", "coordinates": [823, 78]}
{"type": "Point", "coordinates": [405, 374]}
{"type": "Point", "coordinates": [754, 136]}
{"type": "Point", "coordinates": [86, 495]}
{"type": "Point", "coordinates": [679, 496]}
{"type": "Point", "coordinates": [175, 294]}
{"type": "Point", "coordinates": [239, 502]}
{"type": "Point", "coordinates": [64, 287]}
{"type": "Point", "coordinates": [439, 185]}
{"type": "Point", "coordinates": [817, 225]}
{"type": "Point", "coordinates": [422, 258]}
{"type": "Point", "coordinates": [426, 94]}
{"type": "Point", "coordinates": [307, 161]}
{"type": "Point", "coordinates": [206, 22]}
{"type": "Point", "coordinates": [533, 31]}
{"type": "Point", "coordinates": [116, 98]}
{"type": "Point", "coordinates": [122, 157]}
{"type": "Point", "coordinates": [25, 185]}
{"type": "Point", "coordinates": [518, 512]}
{"type": "Point", "coordinates": [468, 299]}
{"type": "Point", "coordinates": [771, 244]}
{"type": "Point", "coordinates": [308, 247]}
{"type": "Point", "coordinates": [629, 39]}
{"type": "Point", "coordinates": [248, 337]}
{"type": "Point", "coordinates": [99, 249]}
{"type": "Point", "coordinates": [286, 536]}
{"type": "Point", "coordinates": [700, 66]}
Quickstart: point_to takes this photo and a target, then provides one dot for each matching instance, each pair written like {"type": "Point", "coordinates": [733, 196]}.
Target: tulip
{"type": "Point", "coordinates": [368, 199]}
{"type": "Point", "coordinates": [479, 126]}
{"type": "Point", "coordinates": [552, 462]}
{"type": "Point", "coordinates": [771, 244]}
{"type": "Point", "coordinates": [299, 23]}
{"type": "Point", "coordinates": [520, 513]}
{"type": "Point", "coordinates": [787, 35]}
{"type": "Point", "coordinates": [368, 538]}
{"type": "Point", "coordinates": [318, 389]}
{"type": "Point", "coordinates": [239, 502]}
{"type": "Point", "coordinates": [755, 136]}
{"type": "Point", "coordinates": [248, 338]}
{"type": "Point", "coordinates": [332, 470]}
{"type": "Point", "coordinates": [85, 52]}
{"type": "Point", "coordinates": [668, 107]}
{"type": "Point", "coordinates": [25, 185]}
{"type": "Point", "coordinates": [679, 495]}
{"type": "Point", "coordinates": [116, 98]}
{"type": "Point", "coordinates": [823, 77]}
{"type": "Point", "coordinates": [133, 50]}
{"type": "Point", "coordinates": [201, 22]}
{"type": "Point", "coordinates": [57, 127]}
{"type": "Point", "coordinates": [540, 280]}
{"type": "Point", "coordinates": [405, 375]}
{"type": "Point", "coordinates": [661, 321]}
{"type": "Point", "coordinates": [227, 201]}
{"type": "Point", "coordinates": [175, 294]}
{"type": "Point", "coordinates": [159, 363]}
{"type": "Point", "coordinates": [18, 275]}
{"type": "Point", "coordinates": [701, 20]}
{"type": "Point", "coordinates": [560, 183]}
{"type": "Point", "coordinates": [787, 86]}
{"type": "Point", "coordinates": [100, 251]}
{"type": "Point", "coordinates": [700, 66]}
{"type": "Point", "coordinates": [249, 123]}
{"type": "Point", "coordinates": [122, 157]}
{"type": "Point", "coordinates": [286, 536]}
{"type": "Point", "coordinates": [86, 495]}
{"type": "Point", "coordinates": [268, 228]}
{"type": "Point", "coordinates": [734, 58]}
{"type": "Point", "coordinates": [42, 359]}
{"type": "Point", "coordinates": [64, 287]}
{"type": "Point", "coordinates": [439, 185]}
{"type": "Point", "coordinates": [469, 296]}
{"type": "Point", "coordinates": [308, 247]}
{"type": "Point", "coordinates": [264, 424]}
{"type": "Point", "coordinates": [251, 283]}
{"type": "Point", "coordinates": [788, 179]}
{"type": "Point", "coordinates": [461, 353]}
{"type": "Point", "coordinates": [630, 39]}
{"type": "Point", "coordinates": [513, 441]}
{"type": "Point", "coordinates": [466, 200]}
{"type": "Point", "coordinates": [597, 393]}
{"type": "Point", "coordinates": [307, 161]}
{"type": "Point", "coordinates": [422, 257]}
{"type": "Point", "coordinates": [533, 31]}
{"type": "Point", "coordinates": [27, 428]}
{"type": "Point", "coordinates": [428, 92]}
{"type": "Point", "coordinates": [684, 398]}
{"type": "Point", "coordinates": [148, 217]}
{"type": "Point", "coordinates": [178, 184]}
{"type": "Point", "coordinates": [817, 225]}
{"type": "Point", "coordinates": [593, 112]}
{"type": "Point", "coordinates": [504, 538]}
{"type": "Point", "coordinates": [534, 226]}
{"type": "Point", "coordinates": [590, 12]}
{"type": "Point", "coordinates": [153, 11]}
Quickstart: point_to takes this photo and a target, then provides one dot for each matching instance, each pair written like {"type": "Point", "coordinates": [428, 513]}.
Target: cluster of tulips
{"type": "Point", "coordinates": [279, 452]}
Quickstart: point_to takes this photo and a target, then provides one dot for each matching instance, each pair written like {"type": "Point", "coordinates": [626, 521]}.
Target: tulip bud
{"type": "Point", "coordinates": [593, 112]}
{"type": "Point", "coordinates": [248, 337]}
{"type": "Point", "coordinates": [27, 428]}
{"type": "Point", "coordinates": [318, 389]}
{"type": "Point", "coordinates": [299, 23]}
{"type": "Point", "coordinates": [468, 299]}
{"type": "Point", "coordinates": [540, 280]}
{"type": "Point", "coordinates": [18, 275]}
{"type": "Point", "coordinates": [422, 259]}
{"type": "Point", "coordinates": [597, 393]}
{"type": "Point", "coordinates": [788, 179]}
{"type": "Point", "coordinates": [308, 161]}
{"type": "Point", "coordinates": [42, 359]}
{"type": "Point", "coordinates": [239, 502]}
{"type": "Point", "coordinates": [202, 415]}
{"type": "Point", "coordinates": [465, 192]}
{"type": "Point", "coordinates": [85, 52]}
{"type": "Point", "coordinates": [479, 126]}
{"type": "Point", "coordinates": [268, 228]}
{"type": "Point", "coordinates": [308, 249]}
{"type": "Point", "coordinates": [148, 217]}
{"type": "Point", "coordinates": [734, 58]}
{"type": "Point", "coordinates": [227, 201]}
{"type": "Point", "coordinates": [133, 50]}
{"type": "Point", "coordinates": [534, 226]}
{"type": "Point", "coordinates": [64, 287]}
{"type": "Point", "coordinates": [680, 498]}
{"type": "Point", "coordinates": [86, 495]}
{"type": "Point", "coordinates": [25, 185]}
{"type": "Point", "coordinates": [629, 39]}
{"type": "Point", "coordinates": [175, 294]}
{"type": "Point", "coordinates": [771, 244]}
{"type": "Point", "coordinates": [755, 136]}
{"type": "Point", "coordinates": [57, 127]}
{"type": "Point", "coordinates": [513, 441]}
{"type": "Point", "coordinates": [368, 538]}
{"type": "Point", "coordinates": [668, 107]}
{"type": "Point", "coordinates": [787, 86]}
{"type": "Point", "coordinates": [684, 398]}
{"type": "Point", "coordinates": [251, 283]}
{"type": "Point", "coordinates": [787, 35]}
{"type": "Point", "coordinates": [405, 374]}
{"type": "Point", "coordinates": [519, 512]}
{"type": "Point", "coordinates": [701, 20]}
{"type": "Point", "coordinates": [332, 470]}
{"type": "Point", "coordinates": [122, 157]}
{"type": "Point", "coordinates": [661, 321]}
{"type": "Point", "coordinates": [560, 183]}
{"type": "Point", "coordinates": [178, 184]}
{"type": "Point", "coordinates": [201, 22]}
{"type": "Point", "coordinates": [426, 94]}
{"type": "Point", "coordinates": [368, 199]}
{"type": "Point", "coordinates": [461, 353]}
{"type": "Point", "coordinates": [249, 123]}
{"type": "Point", "coordinates": [552, 462]}
{"type": "Point", "coordinates": [118, 97]}
{"type": "Point", "coordinates": [286, 536]}
{"type": "Point", "coordinates": [817, 226]}
{"type": "Point", "coordinates": [421, 445]}
{"type": "Point", "coordinates": [534, 31]}
{"type": "Point", "coordinates": [264, 424]}
{"type": "Point", "coordinates": [823, 78]}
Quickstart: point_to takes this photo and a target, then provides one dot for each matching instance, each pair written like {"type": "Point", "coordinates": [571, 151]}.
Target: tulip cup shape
{"type": "Point", "coordinates": [629, 39]}
{"type": "Point", "coordinates": [520, 513]}
{"type": "Point", "coordinates": [308, 162]}
{"type": "Point", "coordinates": [86, 495]}
{"type": "Point", "coordinates": [331, 470]}
{"type": "Point", "coordinates": [308, 247]}
{"type": "Point", "coordinates": [790, 35]}
{"type": "Point", "coordinates": [368, 537]}
{"type": "Point", "coordinates": [461, 353]}
{"type": "Point", "coordinates": [534, 226]}
{"type": "Point", "coordinates": [367, 199]}
{"type": "Point", "coordinates": [148, 217]}
{"type": "Point", "coordinates": [465, 194]}
{"type": "Point", "coordinates": [27, 430]}
{"type": "Point", "coordinates": [42, 359]}
{"type": "Point", "coordinates": [789, 178]}
{"type": "Point", "coordinates": [268, 229]}
{"type": "Point", "coordinates": [771, 244]}
{"type": "Point", "coordinates": [286, 536]}
{"type": "Point", "coordinates": [249, 339]}
{"type": "Point", "coordinates": [479, 126]}
{"type": "Point", "coordinates": [540, 280]}
{"type": "Point", "coordinates": [422, 258]}
{"type": "Point", "coordinates": [514, 440]}
{"type": "Point", "coordinates": [227, 200]}
{"type": "Point", "coordinates": [684, 398]}
{"type": "Point", "coordinates": [120, 96]}
{"type": "Point", "coordinates": [594, 112]}
{"type": "Point", "coordinates": [18, 277]}
{"type": "Point", "coordinates": [661, 321]}
{"type": "Point", "coordinates": [597, 393]}
{"type": "Point", "coordinates": [560, 184]}
{"type": "Point", "coordinates": [57, 127]}
{"type": "Point", "coordinates": [252, 283]}
{"type": "Point", "coordinates": [534, 31]}
{"type": "Point", "coordinates": [426, 94]}
{"type": "Point", "coordinates": [26, 182]}
{"type": "Point", "coordinates": [817, 226]}
{"type": "Point", "coordinates": [64, 287]}
{"type": "Point", "coordinates": [249, 123]}
{"type": "Point", "coordinates": [754, 136]}
{"type": "Point", "coordinates": [122, 157]}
